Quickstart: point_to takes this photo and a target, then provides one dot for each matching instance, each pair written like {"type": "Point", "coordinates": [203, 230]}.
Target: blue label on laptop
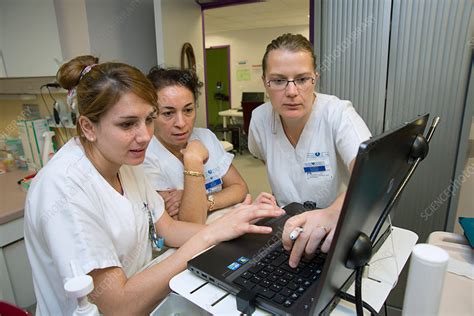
{"type": "Point", "coordinates": [234, 266]}
{"type": "Point", "coordinates": [243, 260]}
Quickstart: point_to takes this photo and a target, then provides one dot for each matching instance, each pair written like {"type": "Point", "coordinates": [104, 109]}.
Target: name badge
{"type": "Point", "coordinates": [317, 165]}
{"type": "Point", "coordinates": [214, 185]}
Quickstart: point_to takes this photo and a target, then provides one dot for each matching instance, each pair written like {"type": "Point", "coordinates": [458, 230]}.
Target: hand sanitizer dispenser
{"type": "Point", "coordinates": [79, 287]}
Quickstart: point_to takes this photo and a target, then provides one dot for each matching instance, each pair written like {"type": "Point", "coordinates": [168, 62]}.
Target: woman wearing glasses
{"type": "Point", "coordinates": [91, 211]}
{"type": "Point", "coordinates": [308, 141]}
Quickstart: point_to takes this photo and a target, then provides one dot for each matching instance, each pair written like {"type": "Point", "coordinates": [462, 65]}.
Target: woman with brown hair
{"type": "Point", "coordinates": [90, 210]}
{"type": "Point", "coordinates": [308, 140]}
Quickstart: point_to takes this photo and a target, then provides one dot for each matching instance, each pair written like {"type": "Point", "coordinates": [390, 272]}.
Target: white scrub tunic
{"type": "Point", "coordinates": [314, 170]}
{"type": "Point", "coordinates": [165, 171]}
{"type": "Point", "coordinates": [76, 222]}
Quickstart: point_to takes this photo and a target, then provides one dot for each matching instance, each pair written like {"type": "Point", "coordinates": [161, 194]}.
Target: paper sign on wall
{"type": "Point", "coordinates": [243, 75]}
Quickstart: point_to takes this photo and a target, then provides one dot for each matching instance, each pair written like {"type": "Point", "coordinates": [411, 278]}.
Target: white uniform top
{"type": "Point", "coordinates": [76, 222]}
{"type": "Point", "coordinates": [165, 171]}
{"type": "Point", "coordinates": [312, 171]}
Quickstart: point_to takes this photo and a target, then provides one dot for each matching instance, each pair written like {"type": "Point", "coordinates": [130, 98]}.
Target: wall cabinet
{"type": "Point", "coordinates": [36, 37]}
{"type": "Point", "coordinates": [29, 38]}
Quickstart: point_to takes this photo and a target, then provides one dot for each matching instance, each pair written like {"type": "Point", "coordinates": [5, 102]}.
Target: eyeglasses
{"type": "Point", "coordinates": [281, 84]}
{"type": "Point", "coordinates": [156, 241]}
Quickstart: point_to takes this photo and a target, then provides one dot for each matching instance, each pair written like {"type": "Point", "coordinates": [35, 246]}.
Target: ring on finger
{"type": "Point", "coordinates": [326, 230]}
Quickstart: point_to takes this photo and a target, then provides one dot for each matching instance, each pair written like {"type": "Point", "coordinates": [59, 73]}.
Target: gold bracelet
{"type": "Point", "coordinates": [193, 173]}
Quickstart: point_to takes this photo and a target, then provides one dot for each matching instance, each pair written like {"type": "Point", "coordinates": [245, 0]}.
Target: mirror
{"type": "Point", "coordinates": [188, 60]}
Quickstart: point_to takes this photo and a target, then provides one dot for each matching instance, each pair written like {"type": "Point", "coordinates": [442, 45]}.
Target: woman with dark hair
{"type": "Point", "coordinates": [90, 210]}
{"type": "Point", "coordinates": [188, 165]}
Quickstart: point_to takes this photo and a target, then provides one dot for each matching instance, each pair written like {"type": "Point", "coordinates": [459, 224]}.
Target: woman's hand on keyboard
{"type": "Point", "coordinates": [318, 229]}
{"type": "Point", "coordinates": [240, 221]}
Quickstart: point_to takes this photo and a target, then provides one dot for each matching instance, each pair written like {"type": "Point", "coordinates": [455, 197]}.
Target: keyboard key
{"type": "Point", "coordinates": [286, 292]}
{"type": "Point", "coordinates": [300, 289]}
{"type": "Point", "coordinates": [275, 287]}
{"type": "Point", "coordinates": [265, 283]}
{"type": "Point", "coordinates": [287, 303]}
{"type": "Point", "coordinates": [298, 280]}
{"type": "Point", "coordinates": [264, 291]}
{"type": "Point", "coordinates": [279, 299]}
{"type": "Point", "coordinates": [244, 283]}
{"type": "Point", "coordinates": [279, 260]}
{"type": "Point", "coordinates": [272, 278]}
{"type": "Point", "coordinates": [246, 275]}
{"type": "Point", "coordinates": [294, 296]}
{"type": "Point", "coordinates": [287, 268]}
{"type": "Point", "coordinates": [307, 272]}
{"type": "Point", "coordinates": [263, 274]}
{"type": "Point", "coordinates": [292, 286]}
{"type": "Point", "coordinates": [257, 267]}
{"type": "Point", "coordinates": [269, 268]}
{"type": "Point", "coordinates": [306, 283]}
{"type": "Point", "coordinates": [282, 281]}
{"type": "Point", "coordinates": [256, 279]}
{"type": "Point", "coordinates": [279, 271]}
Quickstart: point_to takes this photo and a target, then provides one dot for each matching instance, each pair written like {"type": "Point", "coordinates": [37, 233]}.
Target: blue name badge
{"type": "Point", "coordinates": [314, 169]}
{"type": "Point", "coordinates": [213, 184]}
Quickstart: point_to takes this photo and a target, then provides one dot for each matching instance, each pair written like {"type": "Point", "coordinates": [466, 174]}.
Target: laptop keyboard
{"type": "Point", "coordinates": [273, 279]}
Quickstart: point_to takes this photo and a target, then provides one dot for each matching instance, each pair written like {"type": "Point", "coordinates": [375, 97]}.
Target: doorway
{"type": "Point", "coordinates": [217, 84]}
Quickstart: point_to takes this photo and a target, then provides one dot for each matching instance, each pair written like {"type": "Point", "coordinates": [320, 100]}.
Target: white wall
{"type": "Point", "coordinates": [123, 30]}
{"type": "Point", "coordinates": [73, 28]}
{"type": "Point", "coordinates": [2, 30]}
{"type": "Point", "coordinates": [178, 22]}
{"type": "Point", "coordinates": [248, 47]}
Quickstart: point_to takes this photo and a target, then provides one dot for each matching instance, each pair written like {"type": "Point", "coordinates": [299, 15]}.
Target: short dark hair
{"type": "Point", "coordinates": [291, 42]}
{"type": "Point", "coordinates": [166, 77]}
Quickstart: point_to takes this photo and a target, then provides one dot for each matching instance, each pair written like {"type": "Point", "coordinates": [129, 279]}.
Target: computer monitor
{"type": "Point", "coordinates": [253, 97]}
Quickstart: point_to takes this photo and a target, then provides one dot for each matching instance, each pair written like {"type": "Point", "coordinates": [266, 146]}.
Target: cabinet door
{"type": "Point", "coordinates": [19, 272]}
{"type": "Point", "coordinates": [29, 38]}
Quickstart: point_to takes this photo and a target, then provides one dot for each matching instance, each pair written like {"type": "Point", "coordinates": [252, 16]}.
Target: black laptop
{"type": "Point", "coordinates": [259, 263]}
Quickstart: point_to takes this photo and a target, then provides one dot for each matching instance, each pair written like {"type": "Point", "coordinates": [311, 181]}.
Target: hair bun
{"type": "Point", "coordinates": [69, 73]}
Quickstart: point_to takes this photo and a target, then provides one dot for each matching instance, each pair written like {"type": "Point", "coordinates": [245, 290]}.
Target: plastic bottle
{"type": "Point", "coordinates": [425, 280]}
{"type": "Point", "coordinates": [48, 149]}
{"type": "Point", "coordinates": [78, 288]}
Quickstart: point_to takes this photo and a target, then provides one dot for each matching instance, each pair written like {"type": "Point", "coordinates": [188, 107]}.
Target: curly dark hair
{"type": "Point", "coordinates": [165, 77]}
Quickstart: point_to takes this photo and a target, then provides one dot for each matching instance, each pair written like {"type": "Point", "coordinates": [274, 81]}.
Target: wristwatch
{"type": "Point", "coordinates": [210, 199]}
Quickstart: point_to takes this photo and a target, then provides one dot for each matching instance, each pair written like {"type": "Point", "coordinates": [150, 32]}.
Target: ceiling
{"type": "Point", "coordinates": [270, 13]}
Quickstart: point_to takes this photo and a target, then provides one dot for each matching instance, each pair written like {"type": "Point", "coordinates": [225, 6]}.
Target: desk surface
{"type": "Point", "coordinates": [458, 290]}
{"type": "Point", "coordinates": [382, 274]}
{"type": "Point", "coordinates": [12, 199]}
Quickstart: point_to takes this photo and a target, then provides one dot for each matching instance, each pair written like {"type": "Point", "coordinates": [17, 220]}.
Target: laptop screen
{"type": "Point", "coordinates": [381, 165]}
